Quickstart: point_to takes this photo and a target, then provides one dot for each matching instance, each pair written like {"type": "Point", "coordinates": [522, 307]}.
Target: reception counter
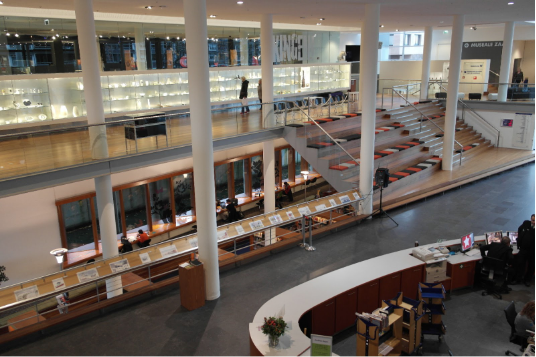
{"type": "Point", "coordinates": [332, 299]}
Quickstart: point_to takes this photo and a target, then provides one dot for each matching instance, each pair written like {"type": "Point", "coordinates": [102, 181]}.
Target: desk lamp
{"type": "Point", "coordinates": [305, 175]}
{"type": "Point", "coordinates": [59, 253]}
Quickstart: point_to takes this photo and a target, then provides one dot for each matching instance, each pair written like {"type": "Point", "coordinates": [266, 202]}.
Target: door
{"type": "Point", "coordinates": [324, 318]}
{"type": "Point", "coordinates": [389, 286]}
{"type": "Point", "coordinates": [367, 296]}
{"type": "Point", "coordinates": [410, 281]}
{"type": "Point", "coordinates": [345, 307]}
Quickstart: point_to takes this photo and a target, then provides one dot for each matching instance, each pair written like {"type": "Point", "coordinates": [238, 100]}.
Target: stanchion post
{"type": "Point", "coordinates": [303, 244]}
{"type": "Point", "coordinates": [310, 247]}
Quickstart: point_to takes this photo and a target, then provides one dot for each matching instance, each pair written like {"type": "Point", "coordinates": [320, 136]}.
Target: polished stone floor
{"type": "Point", "coordinates": [476, 324]}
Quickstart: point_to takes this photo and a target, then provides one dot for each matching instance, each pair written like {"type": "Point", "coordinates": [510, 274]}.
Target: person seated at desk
{"type": "Point", "coordinates": [231, 209]}
{"type": "Point", "coordinates": [501, 251]}
{"type": "Point", "coordinates": [525, 257]}
{"type": "Point", "coordinates": [127, 246]}
{"type": "Point", "coordinates": [525, 321]}
{"type": "Point", "coordinates": [287, 191]}
{"type": "Point", "coordinates": [143, 239]}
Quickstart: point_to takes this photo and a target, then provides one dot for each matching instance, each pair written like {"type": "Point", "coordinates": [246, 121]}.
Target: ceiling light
{"type": "Point", "coordinates": [178, 38]}
{"type": "Point", "coordinates": [1, 3]}
{"type": "Point", "coordinates": [16, 35]}
{"type": "Point", "coordinates": [239, 2]}
{"type": "Point", "coordinates": [148, 7]}
{"type": "Point", "coordinates": [57, 35]}
{"type": "Point", "coordinates": [8, 34]}
{"type": "Point", "coordinates": [322, 19]}
{"type": "Point", "coordinates": [167, 38]}
{"type": "Point", "coordinates": [511, 3]}
{"type": "Point", "coordinates": [382, 26]}
{"type": "Point", "coordinates": [473, 28]}
{"type": "Point", "coordinates": [318, 24]}
{"type": "Point", "coordinates": [212, 16]}
{"type": "Point", "coordinates": [100, 36]}
{"type": "Point", "coordinates": [396, 30]}
{"type": "Point", "coordinates": [147, 38]}
{"type": "Point", "coordinates": [53, 37]}
{"type": "Point", "coordinates": [446, 32]}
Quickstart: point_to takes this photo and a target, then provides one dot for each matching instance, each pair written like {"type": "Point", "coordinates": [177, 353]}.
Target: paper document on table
{"type": "Point", "coordinates": [305, 211]}
{"type": "Point", "coordinates": [320, 207]}
{"type": "Point", "coordinates": [58, 284]}
{"type": "Point", "coordinates": [344, 199]}
{"type": "Point", "coordinates": [332, 202]}
{"type": "Point", "coordinates": [27, 293]}
{"type": "Point", "coordinates": [473, 252]}
{"type": "Point", "coordinates": [87, 275]}
{"type": "Point", "coordinates": [119, 265]}
{"type": "Point", "coordinates": [145, 258]}
{"type": "Point", "coordinates": [168, 251]}
{"type": "Point", "coordinates": [239, 229]}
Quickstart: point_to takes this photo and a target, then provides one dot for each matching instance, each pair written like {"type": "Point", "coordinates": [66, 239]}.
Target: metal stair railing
{"type": "Point", "coordinates": [423, 116]}
{"type": "Point", "coordinates": [465, 106]}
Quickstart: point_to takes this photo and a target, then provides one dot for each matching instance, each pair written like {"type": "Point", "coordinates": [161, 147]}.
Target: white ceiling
{"type": "Point", "coordinates": [405, 15]}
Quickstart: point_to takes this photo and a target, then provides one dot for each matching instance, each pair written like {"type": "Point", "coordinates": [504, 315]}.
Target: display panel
{"type": "Point", "coordinates": [493, 237]}
{"type": "Point", "coordinates": [467, 242]}
{"type": "Point", "coordinates": [513, 237]}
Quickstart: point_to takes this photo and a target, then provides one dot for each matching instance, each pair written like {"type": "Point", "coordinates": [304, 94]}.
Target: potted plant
{"type": "Point", "coordinates": [274, 328]}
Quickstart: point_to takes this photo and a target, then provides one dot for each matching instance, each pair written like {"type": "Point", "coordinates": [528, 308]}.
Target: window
{"type": "Point", "coordinates": [256, 172]}
{"type": "Point", "coordinates": [298, 164]}
{"type": "Point", "coordinates": [284, 164]}
{"type": "Point", "coordinates": [239, 178]}
{"type": "Point", "coordinates": [78, 224]}
{"type": "Point", "coordinates": [135, 203]}
{"type": "Point", "coordinates": [222, 181]}
{"type": "Point", "coordinates": [407, 40]}
{"type": "Point", "coordinates": [160, 203]}
{"type": "Point", "coordinates": [405, 46]}
{"type": "Point", "coordinates": [183, 193]}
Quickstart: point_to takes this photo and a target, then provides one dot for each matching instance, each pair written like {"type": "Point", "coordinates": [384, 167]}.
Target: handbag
{"type": "Point", "coordinates": [244, 102]}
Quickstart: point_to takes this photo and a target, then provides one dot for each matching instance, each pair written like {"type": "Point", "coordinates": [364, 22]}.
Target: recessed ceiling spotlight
{"type": "Point", "coordinates": [318, 23]}
{"type": "Point", "coordinates": [1, 3]}
{"type": "Point", "coordinates": [473, 28]}
{"type": "Point", "coordinates": [239, 2]}
{"type": "Point", "coordinates": [8, 34]}
{"type": "Point", "coordinates": [148, 7]}
{"type": "Point", "coordinates": [100, 36]}
{"type": "Point", "coordinates": [178, 38]}
{"type": "Point", "coordinates": [167, 38]}
{"type": "Point", "coordinates": [511, 3]}
{"type": "Point", "coordinates": [53, 37]}
{"type": "Point", "coordinates": [16, 35]}
{"type": "Point", "coordinates": [322, 18]}
{"type": "Point", "coordinates": [396, 30]}
{"type": "Point", "coordinates": [382, 26]}
{"type": "Point", "coordinates": [212, 16]}
{"type": "Point", "coordinates": [147, 38]}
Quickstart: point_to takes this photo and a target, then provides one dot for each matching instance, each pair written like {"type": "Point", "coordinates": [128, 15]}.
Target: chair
{"type": "Point", "coordinates": [260, 204]}
{"type": "Point", "coordinates": [441, 95]}
{"type": "Point", "coordinates": [493, 275]}
{"type": "Point", "coordinates": [510, 314]}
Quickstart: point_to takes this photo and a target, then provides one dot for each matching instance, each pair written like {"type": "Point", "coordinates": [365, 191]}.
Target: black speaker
{"type": "Point", "coordinates": [382, 177]}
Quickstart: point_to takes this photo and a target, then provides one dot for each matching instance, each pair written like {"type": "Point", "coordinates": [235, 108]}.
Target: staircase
{"type": "Point", "coordinates": [411, 147]}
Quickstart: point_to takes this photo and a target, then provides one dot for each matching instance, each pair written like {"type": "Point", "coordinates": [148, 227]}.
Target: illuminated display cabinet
{"type": "Point", "coordinates": [36, 97]}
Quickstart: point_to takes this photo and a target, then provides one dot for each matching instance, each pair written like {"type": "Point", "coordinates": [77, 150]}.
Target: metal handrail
{"type": "Point", "coordinates": [422, 114]}
{"type": "Point", "coordinates": [476, 114]}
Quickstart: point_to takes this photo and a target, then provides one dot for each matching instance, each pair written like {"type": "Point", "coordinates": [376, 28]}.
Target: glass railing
{"type": "Point", "coordinates": [62, 293]}
{"type": "Point", "coordinates": [389, 100]}
{"type": "Point", "coordinates": [480, 91]}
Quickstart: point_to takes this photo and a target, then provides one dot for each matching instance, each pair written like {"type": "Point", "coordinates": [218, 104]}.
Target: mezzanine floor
{"type": "Point", "coordinates": [476, 324]}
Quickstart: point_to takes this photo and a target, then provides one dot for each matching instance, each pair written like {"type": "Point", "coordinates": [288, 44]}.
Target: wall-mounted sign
{"type": "Point", "coordinates": [288, 48]}
{"type": "Point", "coordinates": [507, 122]}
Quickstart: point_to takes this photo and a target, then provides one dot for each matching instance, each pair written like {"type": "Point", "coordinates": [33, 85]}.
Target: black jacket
{"type": "Point", "coordinates": [498, 251]}
{"type": "Point", "coordinates": [233, 214]}
{"type": "Point", "coordinates": [244, 89]}
{"type": "Point", "coordinates": [127, 246]}
{"type": "Point", "coordinates": [525, 238]}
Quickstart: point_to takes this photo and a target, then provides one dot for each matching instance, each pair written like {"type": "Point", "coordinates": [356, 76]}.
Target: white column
{"type": "Point", "coordinates": [85, 26]}
{"type": "Point", "coordinates": [141, 54]}
{"type": "Point", "coordinates": [267, 74]}
{"type": "Point", "coordinates": [195, 15]}
{"type": "Point", "coordinates": [426, 57]}
{"type": "Point", "coordinates": [367, 97]}
{"type": "Point", "coordinates": [506, 60]}
{"type": "Point", "coordinates": [268, 163]}
{"type": "Point", "coordinates": [267, 67]}
{"type": "Point", "coordinates": [452, 91]}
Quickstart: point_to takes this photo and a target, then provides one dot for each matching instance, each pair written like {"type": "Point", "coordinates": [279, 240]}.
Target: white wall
{"type": "Point", "coordinates": [29, 221]}
{"type": "Point", "coordinates": [495, 119]}
{"type": "Point", "coordinates": [349, 38]}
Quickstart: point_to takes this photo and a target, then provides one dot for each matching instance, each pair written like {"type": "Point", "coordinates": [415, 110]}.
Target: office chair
{"type": "Point", "coordinates": [510, 314]}
{"type": "Point", "coordinates": [493, 275]}
{"type": "Point", "coordinates": [260, 204]}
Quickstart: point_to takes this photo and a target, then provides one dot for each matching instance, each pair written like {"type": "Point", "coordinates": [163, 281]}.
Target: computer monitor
{"type": "Point", "coordinates": [493, 237]}
{"type": "Point", "coordinates": [467, 242]}
{"type": "Point", "coordinates": [513, 237]}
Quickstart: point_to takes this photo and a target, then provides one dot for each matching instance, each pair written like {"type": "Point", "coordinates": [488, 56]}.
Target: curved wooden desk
{"type": "Point", "coordinates": [335, 297]}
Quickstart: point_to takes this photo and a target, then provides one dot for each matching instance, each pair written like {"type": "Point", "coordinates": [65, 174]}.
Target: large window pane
{"type": "Point", "coordinates": [182, 189]}
{"type": "Point", "coordinates": [298, 164]}
{"type": "Point", "coordinates": [256, 172]}
{"type": "Point", "coordinates": [284, 164]}
{"type": "Point", "coordinates": [239, 178]}
{"type": "Point", "coordinates": [78, 224]}
{"type": "Point", "coordinates": [135, 204]}
{"type": "Point", "coordinates": [160, 205]}
{"type": "Point", "coordinates": [222, 182]}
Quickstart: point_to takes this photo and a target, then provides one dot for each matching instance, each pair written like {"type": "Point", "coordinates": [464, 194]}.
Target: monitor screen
{"type": "Point", "coordinates": [493, 237]}
{"type": "Point", "coordinates": [467, 242]}
{"type": "Point", "coordinates": [513, 237]}
{"type": "Point", "coordinates": [353, 53]}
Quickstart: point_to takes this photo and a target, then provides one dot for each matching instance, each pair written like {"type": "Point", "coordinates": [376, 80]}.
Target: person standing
{"type": "Point", "coordinates": [244, 95]}
{"type": "Point", "coordinates": [525, 244]}
{"type": "Point", "coordinates": [518, 76]}
{"type": "Point", "coordinates": [259, 90]}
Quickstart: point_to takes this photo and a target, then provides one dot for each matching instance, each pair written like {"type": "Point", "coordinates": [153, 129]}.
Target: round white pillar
{"type": "Point", "coordinates": [367, 97]}
{"type": "Point", "coordinates": [268, 167]}
{"type": "Point", "coordinates": [195, 15]}
{"type": "Point", "coordinates": [85, 26]}
{"type": "Point", "coordinates": [141, 54]}
{"type": "Point", "coordinates": [267, 68]}
{"type": "Point", "coordinates": [506, 60]}
{"type": "Point", "coordinates": [452, 91]}
{"type": "Point", "coordinates": [426, 58]}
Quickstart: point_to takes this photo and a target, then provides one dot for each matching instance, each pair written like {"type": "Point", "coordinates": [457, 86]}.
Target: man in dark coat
{"type": "Point", "coordinates": [244, 94]}
{"type": "Point", "coordinates": [525, 257]}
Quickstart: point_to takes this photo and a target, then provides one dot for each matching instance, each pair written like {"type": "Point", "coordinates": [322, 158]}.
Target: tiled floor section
{"type": "Point", "coordinates": [476, 324]}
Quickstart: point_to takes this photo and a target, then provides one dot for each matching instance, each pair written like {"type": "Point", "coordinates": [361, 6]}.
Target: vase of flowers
{"type": "Point", "coordinates": [274, 328]}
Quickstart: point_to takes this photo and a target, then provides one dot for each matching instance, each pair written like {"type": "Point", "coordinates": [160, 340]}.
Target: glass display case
{"type": "Point", "coordinates": [28, 99]}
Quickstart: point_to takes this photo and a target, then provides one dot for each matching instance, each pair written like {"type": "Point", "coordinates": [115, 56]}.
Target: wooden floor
{"type": "Point", "coordinates": [487, 163]}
